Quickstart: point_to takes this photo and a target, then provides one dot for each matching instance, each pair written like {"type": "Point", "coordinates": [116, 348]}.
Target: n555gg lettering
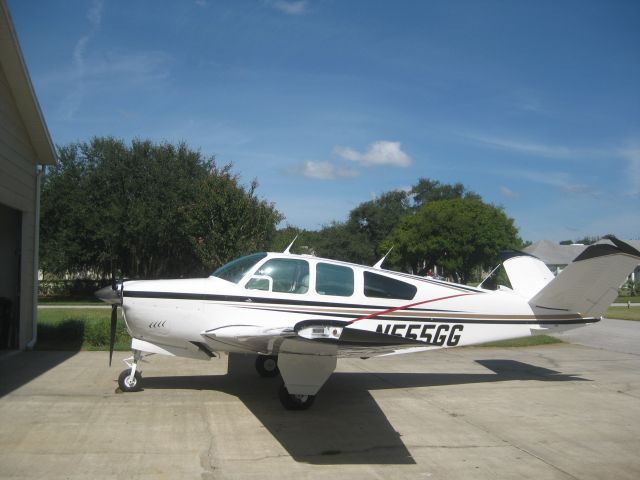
{"type": "Point", "coordinates": [426, 332]}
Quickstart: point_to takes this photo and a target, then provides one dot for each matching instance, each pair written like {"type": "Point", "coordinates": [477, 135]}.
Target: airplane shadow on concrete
{"type": "Point", "coordinates": [19, 368]}
{"type": "Point", "coordinates": [345, 425]}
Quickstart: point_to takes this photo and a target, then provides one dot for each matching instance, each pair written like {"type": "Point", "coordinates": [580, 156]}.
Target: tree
{"type": "Point", "coordinates": [229, 220]}
{"type": "Point", "coordinates": [371, 222]}
{"type": "Point", "coordinates": [341, 242]}
{"type": "Point", "coordinates": [305, 240]}
{"type": "Point", "coordinates": [360, 238]}
{"type": "Point", "coordinates": [146, 210]}
{"type": "Point", "coordinates": [458, 234]}
{"type": "Point", "coordinates": [432, 190]}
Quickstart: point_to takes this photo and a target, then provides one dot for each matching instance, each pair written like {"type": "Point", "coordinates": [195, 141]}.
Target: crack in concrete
{"type": "Point", "coordinates": [206, 458]}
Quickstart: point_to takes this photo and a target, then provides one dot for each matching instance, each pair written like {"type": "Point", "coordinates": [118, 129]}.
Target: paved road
{"type": "Point", "coordinates": [567, 411]}
{"type": "Point", "coordinates": [552, 412]}
{"type": "Point", "coordinates": [621, 336]}
{"type": "Point", "coordinates": [66, 307]}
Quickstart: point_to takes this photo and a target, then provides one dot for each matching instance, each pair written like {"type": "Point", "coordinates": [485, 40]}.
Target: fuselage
{"type": "Point", "coordinates": [278, 293]}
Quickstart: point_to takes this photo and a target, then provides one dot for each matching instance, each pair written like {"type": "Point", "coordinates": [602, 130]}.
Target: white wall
{"type": "Point", "coordinates": [18, 191]}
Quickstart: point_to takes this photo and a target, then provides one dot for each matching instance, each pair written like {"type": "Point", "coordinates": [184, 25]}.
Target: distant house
{"type": "Point", "coordinates": [556, 256]}
{"type": "Point", "coordinates": [25, 145]}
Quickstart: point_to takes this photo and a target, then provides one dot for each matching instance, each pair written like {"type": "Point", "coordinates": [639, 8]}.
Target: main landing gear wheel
{"type": "Point", "coordinates": [294, 402]}
{"type": "Point", "coordinates": [267, 366]}
{"type": "Point", "coordinates": [130, 384]}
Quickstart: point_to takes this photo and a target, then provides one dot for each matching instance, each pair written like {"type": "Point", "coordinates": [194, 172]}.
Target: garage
{"type": "Point", "coordinates": [25, 147]}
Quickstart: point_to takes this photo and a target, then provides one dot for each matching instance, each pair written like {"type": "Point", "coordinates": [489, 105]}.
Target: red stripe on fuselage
{"type": "Point", "coordinates": [404, 307]}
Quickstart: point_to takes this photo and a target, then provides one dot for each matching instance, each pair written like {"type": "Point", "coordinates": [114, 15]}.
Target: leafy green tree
{"type": "Point", "coordinates": [459, 234]}
{"type": "Point", "coordinates": [360, 238]}
{"type": "Point", "coordinates": [340, 242]}
{"type": "Point", "coordinates": [229, 220]}
{"type": "Point", "coordinates": [305, 240]}
{"type": "Point", "coordinates": [146, 211]}
{"type": "Point", "coordinates": [370, 223]}
{"type": "Point", "coordinates": [427, 190]}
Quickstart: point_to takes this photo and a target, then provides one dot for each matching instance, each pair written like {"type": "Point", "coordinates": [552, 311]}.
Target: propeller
{"type": "Point", "coordinates": [114, 319]}
{"type": "Point", "coordinates": [113, 296]}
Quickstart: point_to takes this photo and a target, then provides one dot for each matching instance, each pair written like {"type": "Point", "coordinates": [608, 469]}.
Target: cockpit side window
{"type": "Point", "coordinates": [380, 286]}
{"type": "Point", "coordinates": [283, 275]}
{"type": "Point", "coordinates": [238, 268]}
{"type": "Point", "coordinates": [334, 280]}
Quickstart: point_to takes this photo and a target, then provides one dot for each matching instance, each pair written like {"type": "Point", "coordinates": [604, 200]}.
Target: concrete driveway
{"type": "Point", "coordinates": [552, 412]}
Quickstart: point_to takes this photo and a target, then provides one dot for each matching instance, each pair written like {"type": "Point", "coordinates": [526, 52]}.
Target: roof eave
{"type": "Point", "coordinates": [21, 87]}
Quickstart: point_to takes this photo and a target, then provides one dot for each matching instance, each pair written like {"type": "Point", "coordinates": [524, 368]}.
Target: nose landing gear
{"type": "Point", "coordinates": [130, 380]}
{"type": "Point", "coordinates": [129, 383]}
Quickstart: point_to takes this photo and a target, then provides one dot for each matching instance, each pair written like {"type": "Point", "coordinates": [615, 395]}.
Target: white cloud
{"type": "Point", "coordinates": [559, 180]}
{"type": "Point", "coordinates": [318, 170]}
{"type": "Point", "coordinates": [94, 15]}
{"type": "Point", "coordinates": [325, 171]}
{"type": "Point", "coordinates": [298, 7]}
{"type": "Point", "coordinates": [74, 98]}
{"type": "Point", "coordinates": [507, 192]}
{"type": "Point", "coordinates": [631, 155]}
{"type": "Point", "coordinates": [531, 148]}
{"type": "Point", "coordinates": [379, 153]}
{"type": "Point", "coordinates": [145, 66]}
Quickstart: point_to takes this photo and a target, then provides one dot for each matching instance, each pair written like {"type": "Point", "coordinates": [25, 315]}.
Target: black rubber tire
{"type": "Point", "coordinates": [267, 366]}
{"type": "Point", "coordinates": [294, 402]}
{"type": "Point", "coordinates": [134, 386]}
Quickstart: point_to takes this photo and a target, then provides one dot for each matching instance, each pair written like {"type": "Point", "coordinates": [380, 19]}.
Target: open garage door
{"type": "Point", "coordinates": [10, 243]}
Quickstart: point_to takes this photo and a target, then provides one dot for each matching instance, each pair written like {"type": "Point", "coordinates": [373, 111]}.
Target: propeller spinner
{"type": "Point", "coordinates": [112, 295]}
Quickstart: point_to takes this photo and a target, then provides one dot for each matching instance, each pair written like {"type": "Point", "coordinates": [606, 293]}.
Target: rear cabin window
{"type": "Point", "coordinates": [281, 275]}
{"type": "Point", "coordinates": [379, 286]}
{"type": "Point", "coordinates": [334, 280]}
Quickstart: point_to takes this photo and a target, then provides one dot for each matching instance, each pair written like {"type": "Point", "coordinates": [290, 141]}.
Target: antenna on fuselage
{"type": "Point", "coordinates": [381, 261]}
{"type": "Point", "coordinates": [288, 249]}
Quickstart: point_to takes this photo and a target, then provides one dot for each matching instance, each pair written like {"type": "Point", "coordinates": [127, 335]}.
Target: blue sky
{"type": "Point", "coordinates": [533, 105]}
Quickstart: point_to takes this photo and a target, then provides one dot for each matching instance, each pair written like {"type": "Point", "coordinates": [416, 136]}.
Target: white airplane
{"type": "Point", "coordinates": [299, 313]}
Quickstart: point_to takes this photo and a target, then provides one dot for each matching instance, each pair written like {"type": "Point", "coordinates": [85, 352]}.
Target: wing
{"type": "Point", "coordinates": [347, 340]}
{"type": "Point", "coordinates": [248, 338]}
{"type": "Point", "coordinates": [307, 353]}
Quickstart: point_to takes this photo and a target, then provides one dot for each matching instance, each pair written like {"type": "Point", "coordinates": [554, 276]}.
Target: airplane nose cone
{"type": "Point", "coordinates": [108, 295]}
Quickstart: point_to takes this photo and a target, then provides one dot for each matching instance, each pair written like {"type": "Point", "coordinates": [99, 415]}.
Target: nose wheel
{"type": "Point", "coordinates": [130, 380]}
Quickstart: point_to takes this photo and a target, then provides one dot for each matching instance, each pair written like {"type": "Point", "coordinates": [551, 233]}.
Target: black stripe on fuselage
{"type": "Point", "coordinates": [392, 318]}
{"type": "Point", "coordinates": [246, 302]}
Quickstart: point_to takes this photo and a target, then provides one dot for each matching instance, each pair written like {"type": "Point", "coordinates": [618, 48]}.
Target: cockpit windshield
{"type": "Point", "coordinates": [236, 269]}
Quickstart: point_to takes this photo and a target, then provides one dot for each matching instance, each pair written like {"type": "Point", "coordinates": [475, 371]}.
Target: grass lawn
{"type": "Point", "coordinates": [68, 301]}
{"type": "Point", "coordinates": [623, 313]}
{"type": "Point", "coordinates": [79, 329]}
{"type": "Point", "coordinates": [635, 299]}
{"type": "Point", "coordinates": [532, 341]}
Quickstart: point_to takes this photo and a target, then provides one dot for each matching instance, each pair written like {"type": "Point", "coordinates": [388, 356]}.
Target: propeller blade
{"type": "Point", "coordinates": [112, 339]}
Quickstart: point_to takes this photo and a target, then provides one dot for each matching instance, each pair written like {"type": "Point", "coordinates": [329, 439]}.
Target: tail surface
{"type": "Point", "coordinates": [527, 274]}
{"type": "Point", "coordinates": [590, 283]}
